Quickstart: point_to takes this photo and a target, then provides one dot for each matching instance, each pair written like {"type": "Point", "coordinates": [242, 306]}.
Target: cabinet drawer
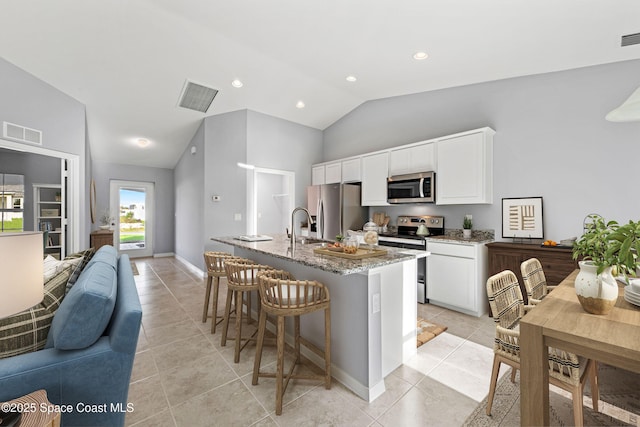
{"type": "Point", "coordinates": [452, 249]}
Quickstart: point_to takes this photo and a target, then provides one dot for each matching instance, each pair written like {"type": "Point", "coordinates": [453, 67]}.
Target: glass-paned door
{"type": "Point", "coordinates": [11, 203]}
{"type": "Point", "coordinates": [132, 209]}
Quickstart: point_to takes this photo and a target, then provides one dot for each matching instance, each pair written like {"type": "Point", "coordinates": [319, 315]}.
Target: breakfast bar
{"type": "Point", "coordinates": [373, 306]}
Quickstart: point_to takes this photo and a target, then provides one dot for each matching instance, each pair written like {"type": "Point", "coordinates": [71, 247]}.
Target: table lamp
{"type": "Point", "coordinates": [21, 267]}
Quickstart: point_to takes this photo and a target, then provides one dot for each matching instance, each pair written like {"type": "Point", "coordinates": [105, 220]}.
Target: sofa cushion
{"type": "Point", "coordinates": [86, 310]}
{"type": "Point", "coordinates": [105, 254]}
{"type": "Point", "coordinates": [27, 331]}
{"type": "Point", "coordinates": [81, 259]}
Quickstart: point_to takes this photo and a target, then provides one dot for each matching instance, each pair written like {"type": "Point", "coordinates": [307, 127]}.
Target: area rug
{"type": "Point", "coordinates": [619, 402]}
{"type": "Point", "coordinates": [427, 330]}
{"type": "Point", "coordinates": [134, 267]}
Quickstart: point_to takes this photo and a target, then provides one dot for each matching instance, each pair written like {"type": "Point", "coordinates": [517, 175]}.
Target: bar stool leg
{"type": "Point", "coordinates": [227, 314]}
{"type": "Point", "coordinates": [262, 325]}
{"type": "Point", "coordinates": [236, 357]}
{"type": "Point", "coordinates": [280, 363]}
{"type": "Point", "coordinates": [327, 348]}
{"type": "Point", "coordinates": [296, 329]}
{"type": "Point", "coordinates": [207, 293]}
{"type": "Point", "coordinates": [214, 316]}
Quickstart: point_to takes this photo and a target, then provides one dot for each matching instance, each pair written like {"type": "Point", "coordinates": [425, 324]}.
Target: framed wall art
{"type": "Point", "coordinates": [522, 218]}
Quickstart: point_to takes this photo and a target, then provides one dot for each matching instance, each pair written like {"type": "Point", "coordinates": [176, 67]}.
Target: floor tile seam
{"type": "Point", "coordinates": [154, 364]}
{"type": "Point", "coordinates": [460, 368]}
{"type": "Point", "coordinates": [166, 397]}
{"type": "Point", "coordinates": [199, 395]}
{"type": "Point", "coordinates": [395, 402]}
{"type": "Point", "coordinates": [269, 413]}
{"type": "Point", "coordinates": [217, 353]}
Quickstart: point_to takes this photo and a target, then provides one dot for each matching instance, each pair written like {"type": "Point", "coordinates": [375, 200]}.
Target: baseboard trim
{"type": "Point", "coordinates": [163, 255]}
{"type": "Point", "coordinates": [190, 266]}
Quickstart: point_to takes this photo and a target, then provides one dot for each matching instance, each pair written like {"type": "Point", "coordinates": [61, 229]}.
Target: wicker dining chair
{"type": "Point", "coordinates": [214, 261]}
{"type": "Point", "coordinates": [566, 370]}
{"type": "Point", "coordinates": [283, 296]}
{"type": "Point", "coordinates": [241, 282]}
{"type": "Point", "coordinates": [535, 281]}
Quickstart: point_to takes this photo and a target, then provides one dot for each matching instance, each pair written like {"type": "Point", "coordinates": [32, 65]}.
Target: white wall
{"type": "Point", "coordinates": [552, 141]}
{"type": "Point", "coordinates": [240, 136]}
{"type": "Point", "coordinates": [189, 201]}
{"type": "Point", "coordinates": [28, 101]}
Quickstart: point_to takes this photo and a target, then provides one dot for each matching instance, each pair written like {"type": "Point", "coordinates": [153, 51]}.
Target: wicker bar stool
{"type": "Point", "coordinates": [241, 281]}
{"type": "Point", "coordinates": [214, 261]}
{"type": "Point", "coordinates": [281, 295]}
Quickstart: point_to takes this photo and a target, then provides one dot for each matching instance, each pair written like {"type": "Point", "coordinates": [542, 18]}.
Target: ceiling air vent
{"type": "Point", "coordinates": [21, 133]}
{"type": "Point", "coordinates": [630, 39]}
{"type": "Point", "coordinates": [196, 97]}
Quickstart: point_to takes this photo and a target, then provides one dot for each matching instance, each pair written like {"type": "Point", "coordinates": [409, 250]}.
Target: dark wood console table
{"type": "Point", "coordinates": [556, 262]}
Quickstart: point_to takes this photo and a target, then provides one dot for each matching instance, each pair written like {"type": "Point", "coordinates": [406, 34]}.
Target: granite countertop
{"type": "Point", "coordinates": [303, 254]}
{"type": "Point", "coordinates": [455, 236]}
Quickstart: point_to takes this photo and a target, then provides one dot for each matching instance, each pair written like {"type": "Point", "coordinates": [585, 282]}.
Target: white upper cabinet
{"type": "Point", "coordinates": [375, 170]}
{"type": "Point", "coordinates": [465, 168]}
{"type": "Point", "coordinates": [413, 159]}
{"type": "Point", "coordinates": [351, 170]}
{"type": "Point", "coordinates": [333, 173]}
{"type": "Point", "coordinates": [317, 175]}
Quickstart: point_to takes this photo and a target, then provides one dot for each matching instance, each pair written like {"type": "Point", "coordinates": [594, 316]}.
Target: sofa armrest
{"type": "Point", "coordinates": [124, 327]}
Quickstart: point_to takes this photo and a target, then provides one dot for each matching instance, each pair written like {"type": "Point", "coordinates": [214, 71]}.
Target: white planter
{"type": "Point", "coordinates": [466, 233]}
{"type": "Point", "coordinates": [597, 293]}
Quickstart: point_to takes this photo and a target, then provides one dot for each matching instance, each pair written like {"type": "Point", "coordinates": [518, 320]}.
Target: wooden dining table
{"type": "Point", "coordinates": [560, 321]}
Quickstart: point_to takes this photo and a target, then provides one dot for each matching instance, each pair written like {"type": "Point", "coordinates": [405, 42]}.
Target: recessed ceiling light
{"type": "Point", "coordinates": [236, 83]}
{"type": "Point", "coordinates": [351, 78]}
{"type": "Point", "coordinates": [142, 142]}
{"type": "Point", "coordinates": [300, 104]}
{"type": "Point", "coordinates": [418, 56]}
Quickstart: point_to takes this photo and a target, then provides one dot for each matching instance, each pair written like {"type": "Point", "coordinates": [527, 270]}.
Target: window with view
{"type": "Point", "coordinates": [11, 203]}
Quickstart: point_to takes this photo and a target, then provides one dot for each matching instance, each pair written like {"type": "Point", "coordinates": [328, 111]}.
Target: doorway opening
{"type": "Point", "coordinates": [132, 209]}
{"type": "Point", "coordinates": [271, 198]}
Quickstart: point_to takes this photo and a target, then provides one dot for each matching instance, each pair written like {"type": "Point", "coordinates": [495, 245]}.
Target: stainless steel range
{"type": "Point", "coordinates": [411, 234]}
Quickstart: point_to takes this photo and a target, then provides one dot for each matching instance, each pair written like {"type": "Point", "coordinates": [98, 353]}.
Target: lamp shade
{"type": "Point", "coordinates": [629, 111]}
{"type": "Point", "coordinates": [21, 272]}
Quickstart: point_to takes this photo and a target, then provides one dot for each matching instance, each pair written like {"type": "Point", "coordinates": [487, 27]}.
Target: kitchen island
{"type": "Point", "coordinates": [373, 307]}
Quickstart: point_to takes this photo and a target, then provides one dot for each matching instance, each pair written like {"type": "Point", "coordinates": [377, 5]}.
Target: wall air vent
{"type": "Point", "coordinates": [21, 133]}
{"type": "Point", "coordinates": [196, 97]}
{"type": "Point", "coordinates": [630, 39]}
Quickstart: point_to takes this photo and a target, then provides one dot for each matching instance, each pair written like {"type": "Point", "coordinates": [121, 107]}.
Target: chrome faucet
{"type": "Point", "coordinates": [293, 227]}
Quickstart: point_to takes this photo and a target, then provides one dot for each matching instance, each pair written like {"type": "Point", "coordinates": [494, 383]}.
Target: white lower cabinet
{"type": "Point", "coordinates": [456, 276]}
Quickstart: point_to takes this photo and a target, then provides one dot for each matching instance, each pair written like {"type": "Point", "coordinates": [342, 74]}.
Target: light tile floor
{"type": "Point", "coordinates": [183, 377]}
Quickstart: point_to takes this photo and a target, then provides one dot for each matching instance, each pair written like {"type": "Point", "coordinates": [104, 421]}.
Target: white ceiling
{"type": "Point", "coordinates": [127, 60]}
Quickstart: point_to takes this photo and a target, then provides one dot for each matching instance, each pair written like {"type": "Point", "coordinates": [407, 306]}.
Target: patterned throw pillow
{"type": "Point", "coordinates": [27, 331]}
{"type": "Point", "coordinates": [84, 257]}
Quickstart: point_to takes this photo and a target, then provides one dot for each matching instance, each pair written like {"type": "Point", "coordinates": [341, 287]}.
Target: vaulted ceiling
{"type": "Point", "coordinates": [128, 60]}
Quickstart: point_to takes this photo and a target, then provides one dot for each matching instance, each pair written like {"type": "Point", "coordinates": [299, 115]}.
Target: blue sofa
{"type": "Point", "coordinates": [90, 347]}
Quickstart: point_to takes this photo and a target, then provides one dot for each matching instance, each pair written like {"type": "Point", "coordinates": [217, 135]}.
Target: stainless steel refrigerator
{"type": "Point", "coordinates": [335, 208]}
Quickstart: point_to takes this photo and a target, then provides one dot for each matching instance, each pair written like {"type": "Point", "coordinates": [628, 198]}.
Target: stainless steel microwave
{"type": "Point", "coordinates": [412, 188]}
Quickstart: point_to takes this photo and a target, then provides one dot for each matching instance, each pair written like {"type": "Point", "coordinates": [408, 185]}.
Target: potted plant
{"type": "Point", "coordinates": [467, 223]}
{"type": "Point", "coordinates": [105, 219]}
{"type": "Point", "coordinates": [607, 249]}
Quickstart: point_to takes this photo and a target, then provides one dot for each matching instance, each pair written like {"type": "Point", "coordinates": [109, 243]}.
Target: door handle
{"type": "Point", "coordinates": [421, 187]}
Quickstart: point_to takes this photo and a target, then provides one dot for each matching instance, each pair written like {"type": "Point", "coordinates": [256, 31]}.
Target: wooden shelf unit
{"type": "Point", "coordinates": [49, 215]}
{"type": "Point", "coordinates": [557, 263]}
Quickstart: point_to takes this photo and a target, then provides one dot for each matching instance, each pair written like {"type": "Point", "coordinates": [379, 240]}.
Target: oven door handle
{"type": "Point", "coordinates": [422, 187]}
